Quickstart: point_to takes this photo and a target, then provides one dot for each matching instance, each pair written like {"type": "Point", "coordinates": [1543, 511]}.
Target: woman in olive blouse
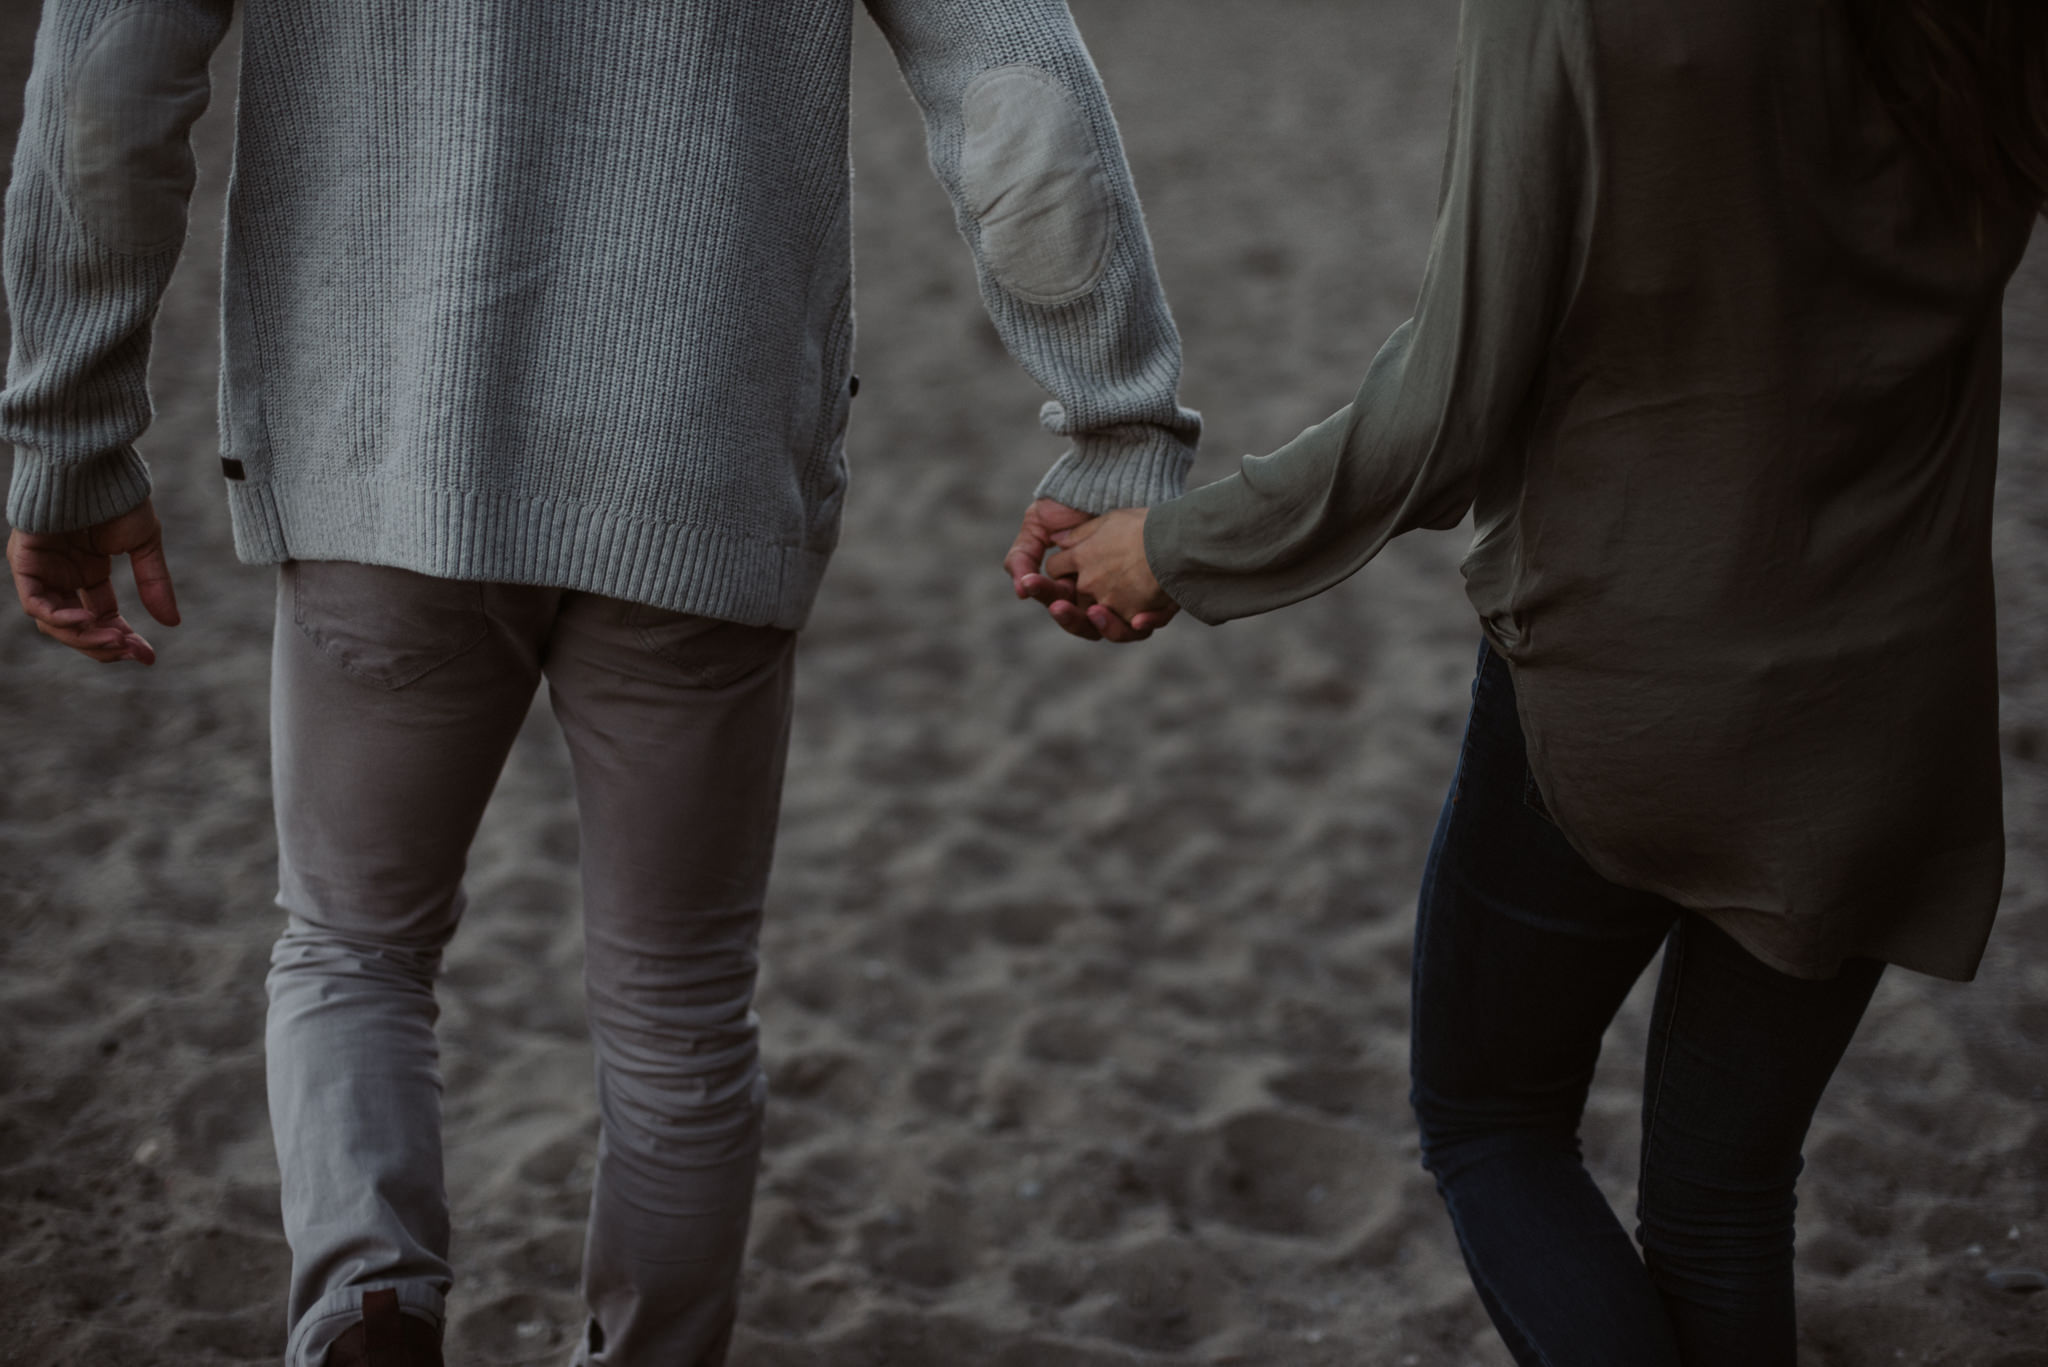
{"type": "Point", "coordinates": [1708, 346]}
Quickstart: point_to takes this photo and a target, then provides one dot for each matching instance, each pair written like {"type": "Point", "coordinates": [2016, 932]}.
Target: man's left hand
{"type": "Point", "coordinates": [65, 582]}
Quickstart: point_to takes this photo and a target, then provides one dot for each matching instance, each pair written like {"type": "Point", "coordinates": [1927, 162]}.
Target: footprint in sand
{"type": "Point", "coordinates": [1343, 1091]}
{"type": "Point", "coordinates": [227, 1020]}
{"type": "Point", "coordinates": [561, 1160]}
{"type": "Point", "coordinates": [1163, 1296]}
{"type": "Point", "coordinates": [523, 1327]}
{"type": "Point", "coordinates": [1065, 1039]}
{"type": "Point", "coordinates": [789, 1238]}
{"type": "Point", "coordinates": [945, 1090]}
{"type": "Point", "coordinates": [835, 1182]}
{"type": "Point", "coordinates": [220, 1118]}
{"type": "Point", "coordinates": [931, 941]}
{"type": "Point", "coordinates": [1052, 1285]}
{"type": "Point", "coordinates": [1094, 1193]}
{"type": "Point", "coordinates": [1275, 1173]}
{"type": "Point", "coordinates": [550, 1257]}
{"type": "Point", "coordinates": [837, 1081]}
{"type": "Point", "coordinates": [213, 1270]}
{"type": "Point", "coordinates": [124, 965]}
{"type": "Point", "coordinates": [789, 1308]}
{"type": "Point", "coordinates": [249, 1335]}
{"type": "Point", "coordinates": [907, 1251]}
{"type": "Point", "coordinates": [1027, 925]}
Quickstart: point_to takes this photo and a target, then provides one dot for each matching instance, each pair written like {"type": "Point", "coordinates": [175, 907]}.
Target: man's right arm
{"type": "Point", "coordinates": [1022, 138]}
{"type": "Point", "coordinates": [96, 216]}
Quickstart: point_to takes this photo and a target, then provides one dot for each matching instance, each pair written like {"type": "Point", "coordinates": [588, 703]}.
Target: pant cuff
{"type": "Point", "coordinates": [334, 1313]}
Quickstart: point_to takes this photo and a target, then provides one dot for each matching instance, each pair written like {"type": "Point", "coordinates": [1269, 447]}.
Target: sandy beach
{"type": "Point", "coordinates": [1085, 987]}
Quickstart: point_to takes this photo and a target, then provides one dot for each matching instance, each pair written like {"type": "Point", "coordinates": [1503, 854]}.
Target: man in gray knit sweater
{"type": "Point", "coordinates": [537, 336]}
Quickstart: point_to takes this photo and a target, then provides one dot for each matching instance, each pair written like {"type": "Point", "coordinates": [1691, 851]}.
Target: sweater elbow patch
{"type": "Point", "coordinates": [1032, 178]}
{"type": "Point", "coordinates": [137, 88]}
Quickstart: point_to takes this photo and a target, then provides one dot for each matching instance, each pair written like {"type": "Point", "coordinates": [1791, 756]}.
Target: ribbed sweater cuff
{"type": "Point", "coordinates": [52, 495]}
{"type": "Point", "coordinates": [1107, 472]}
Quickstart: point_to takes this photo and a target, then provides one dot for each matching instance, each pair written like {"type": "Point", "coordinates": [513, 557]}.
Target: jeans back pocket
{"type": "Point", "coordinates": [383, 625]}
{"type": "Point", "coordinates": [705, 652]}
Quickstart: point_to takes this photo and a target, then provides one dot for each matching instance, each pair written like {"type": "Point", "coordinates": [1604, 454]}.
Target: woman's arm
{"type": "Point", "coordinates": [1451, 390]}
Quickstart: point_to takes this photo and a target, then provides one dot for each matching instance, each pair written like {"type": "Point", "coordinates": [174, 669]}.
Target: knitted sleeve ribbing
{"type": "Point", "coordinates": [1022, 138]}
{"type": "Point", "coordinates": [96, 214]}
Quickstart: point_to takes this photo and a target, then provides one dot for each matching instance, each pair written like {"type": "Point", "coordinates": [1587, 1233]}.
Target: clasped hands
{"type": "Point", "coordinates": [1096, 583]}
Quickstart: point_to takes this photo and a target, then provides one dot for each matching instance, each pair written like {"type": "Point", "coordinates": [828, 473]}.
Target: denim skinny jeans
{"type": "Point", "coordinates": [1522, 956]}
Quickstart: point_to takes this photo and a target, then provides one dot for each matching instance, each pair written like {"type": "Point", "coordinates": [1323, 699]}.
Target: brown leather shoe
{"type": "Point", "coordinates": [387, 1337]}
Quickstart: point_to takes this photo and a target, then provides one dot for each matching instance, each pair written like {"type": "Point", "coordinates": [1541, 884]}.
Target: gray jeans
{"type": "Point", "coordinates": [395, 699]}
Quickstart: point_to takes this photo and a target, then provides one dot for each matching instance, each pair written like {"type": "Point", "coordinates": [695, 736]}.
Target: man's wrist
{"type": "Point", "coordinates": [1104, 473]}
{"type": "Point", "coordinates": [52, 495]}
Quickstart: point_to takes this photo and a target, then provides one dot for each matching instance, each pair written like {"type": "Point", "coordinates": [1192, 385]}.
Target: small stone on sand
{"type": "Point", "coordinates": [2022, 1280]}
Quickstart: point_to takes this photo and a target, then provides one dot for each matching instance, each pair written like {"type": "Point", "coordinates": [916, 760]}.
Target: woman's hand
{"type": "Point", "coordinates": [1105, 558]}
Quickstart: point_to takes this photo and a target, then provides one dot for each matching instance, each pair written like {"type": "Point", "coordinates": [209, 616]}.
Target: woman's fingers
{"type": "Point", "coordinates": [1096, 584]}
{"type": "Point", "coordinates": [1076, 534]}
{"type": "Point", "coordinates": [1112, 587]}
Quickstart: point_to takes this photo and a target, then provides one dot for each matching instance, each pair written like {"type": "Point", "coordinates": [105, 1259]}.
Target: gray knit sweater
{"type": "Point", "coordinates": [556, 293]}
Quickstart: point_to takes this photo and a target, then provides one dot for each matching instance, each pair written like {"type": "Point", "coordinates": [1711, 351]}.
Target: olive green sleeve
{"type": "Point", "coordinates": [1449, 391]}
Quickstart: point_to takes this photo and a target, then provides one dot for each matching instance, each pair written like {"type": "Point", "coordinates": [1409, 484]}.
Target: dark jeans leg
{"type": "Point", "coordinates": [1522, 956]}
{"type": "Point", "coordinates": [1739, 1055]}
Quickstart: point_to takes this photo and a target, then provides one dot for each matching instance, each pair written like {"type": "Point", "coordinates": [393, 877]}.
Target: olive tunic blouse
{"type": "Point", "coordinates": [1711, 354]}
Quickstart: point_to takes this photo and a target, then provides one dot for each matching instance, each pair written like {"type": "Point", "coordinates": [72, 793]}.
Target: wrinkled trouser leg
{"type": "Point", "coordinates": [678, 728]}
{"type": "Point", "coordinates": [394, 701]}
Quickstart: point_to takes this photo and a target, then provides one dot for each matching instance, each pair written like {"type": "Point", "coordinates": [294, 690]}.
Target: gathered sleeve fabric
{"type": "Point", "coordinates": [1022, 137]}
{"type": "Point", "coordinates": [1446, 400]}
{"type": "Point", "coordinates": [96, 217]}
